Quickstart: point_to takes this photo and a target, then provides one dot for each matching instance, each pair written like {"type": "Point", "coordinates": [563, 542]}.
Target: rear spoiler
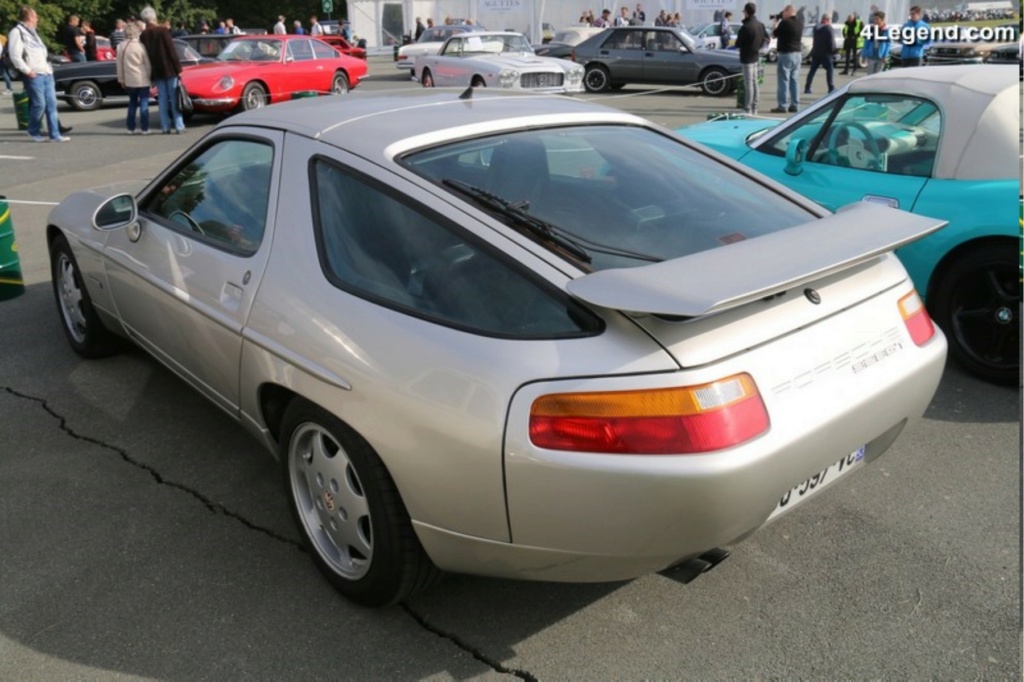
{"type": "Point", "coordinates": [733, 275]}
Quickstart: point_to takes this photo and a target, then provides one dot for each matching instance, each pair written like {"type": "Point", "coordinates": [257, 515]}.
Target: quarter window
{"type": "Point", "coordinates": [300, 50]}
{"type": "Point", "coordinates": [220, 196]}
{"type": "Point", "coordinates": [375, 246]}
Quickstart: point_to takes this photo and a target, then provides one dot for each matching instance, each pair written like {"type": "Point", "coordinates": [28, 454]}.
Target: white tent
{"type": "Point", "coordinates": [382, 23]}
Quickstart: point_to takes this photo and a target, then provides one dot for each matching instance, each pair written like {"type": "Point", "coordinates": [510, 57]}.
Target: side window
{"type": "Point", "coordinates": [322, 50]}
{"type": "Point", "coordinates": [893, 134]}
{"type": "Point", "coordinates": [220, 196]}
{"type": "Point", "coordinates": [453, 48]}
{"type": "Point", "coordinates": [375, 246]}
{"type": "Point", "coordinates": [624, 40]}
{"type": "Point", "coordinates": [300, 50]}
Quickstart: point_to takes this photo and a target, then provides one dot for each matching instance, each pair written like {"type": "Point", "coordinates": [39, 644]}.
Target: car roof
{"type": "Point", "coordinates": [980, 106]}
{"type": "Point", "coordinates": [385, 123]}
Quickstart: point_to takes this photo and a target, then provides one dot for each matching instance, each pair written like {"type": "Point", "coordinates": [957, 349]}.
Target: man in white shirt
{"type": "Point", "coordinates": [315, 29]}
{"type": "Point", "coordinates": [279, 29]}
{"type": "Point", "coordinates": [28, 57]}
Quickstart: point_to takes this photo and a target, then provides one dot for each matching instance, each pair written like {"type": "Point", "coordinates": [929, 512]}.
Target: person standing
{"type": "Point", "coordinates": [623, 18]}
{"type": "Point", "coordinates": [877, 46]}
{"type": "Point", "coordinates": [298, 30]}
{"type": "Point", "coordinates": [73, 39]}
{"type": "Point", "coordinates": [163, 60]}
{"type": "Point", "coordinates": [133, 69]}
{"type": "Point", "coordinates": [315, 29]}
{"type": "Point", "coordinates": [420, 28]}
{"type": "Point", "coordinates": [28, 57]}
{"type": "Point", "coordinates": [279, 29]}
{"type": "Point", "coordinates": [852, 41]}
{"type": "Point", "coordinates": [4, 71]}
{"type": "Point", "coordinates": [913, 50]}
{"type": "Point", "coordinates": [117, 36]}
{"type": "Point", "coordinates": [751, 38]}
{"type": "Point", "coordinates": [725, 30]}
{"type": "Point", "coordinates": [822, 50]}
{"type": "Point", "coordinates": [788, 30]}
{"type": "Point", "coordinates": [639, 16]}
{"type": "Point", "coordinates": [90, 41]}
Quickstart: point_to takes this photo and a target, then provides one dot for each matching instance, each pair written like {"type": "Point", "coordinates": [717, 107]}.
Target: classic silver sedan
{"type": "Point", "coordinates": [496, 60]}
{"type": "Point", "coordinates": [512, 335]}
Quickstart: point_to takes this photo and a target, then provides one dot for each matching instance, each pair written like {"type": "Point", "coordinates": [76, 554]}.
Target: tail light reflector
{"type": "Point", "coordinates": [681, 420]}
{"type": "Point", "coordinates": [916, 318]}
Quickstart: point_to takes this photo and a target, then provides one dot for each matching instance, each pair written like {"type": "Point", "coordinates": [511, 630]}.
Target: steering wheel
{"type": "Point", "coordinates": [857, 153]}
{"type": "Point", "coordinates": [183, 218]}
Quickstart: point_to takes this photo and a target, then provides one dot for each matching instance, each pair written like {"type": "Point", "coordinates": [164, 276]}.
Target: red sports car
{"type": "Point", "coordinates": [343, 46]}
{"type": "Point", "coordinates": [253, 71]}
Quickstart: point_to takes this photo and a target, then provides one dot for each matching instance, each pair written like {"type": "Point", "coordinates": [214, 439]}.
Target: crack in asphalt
{"type": "Point", "coordinates": [475, 653]}
{"type": "Point", "coordinates": [217, 508]}
{"type": "Point", "coordinates": [212, 506]}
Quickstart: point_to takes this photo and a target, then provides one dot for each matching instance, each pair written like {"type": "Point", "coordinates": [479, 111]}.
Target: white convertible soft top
{"type": "Point", "coordinates": [980, 107]}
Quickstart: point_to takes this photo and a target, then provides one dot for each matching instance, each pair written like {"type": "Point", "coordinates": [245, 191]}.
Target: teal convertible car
{"type": "Point", "coordinates": [938, 141]}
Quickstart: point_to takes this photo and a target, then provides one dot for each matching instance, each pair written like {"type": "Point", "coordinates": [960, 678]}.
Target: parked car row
{"type": "Point", "coordinates": [88, 85]}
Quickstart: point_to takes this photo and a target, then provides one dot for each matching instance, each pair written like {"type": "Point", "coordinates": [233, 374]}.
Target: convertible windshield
{"type": "Point", "coordinates": [628, 195]}
{"type": "Point", "coordinates": [486, 44]}
{"type": "Point", "coordinates": [251, 51]}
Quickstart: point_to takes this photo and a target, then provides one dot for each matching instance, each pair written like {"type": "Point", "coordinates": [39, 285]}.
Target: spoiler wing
{"type": "Point", "coordinates": [729, 276]}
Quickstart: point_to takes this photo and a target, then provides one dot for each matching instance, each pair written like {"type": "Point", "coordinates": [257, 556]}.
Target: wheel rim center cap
{"type": "Point", "coordinates": [1004, 315]}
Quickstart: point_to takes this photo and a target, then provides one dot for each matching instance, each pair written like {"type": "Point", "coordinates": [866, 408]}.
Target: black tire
{"type": "Point", "coordinates": [427, 79]}
{"type": "Point", "coordinates": [85, 96]}
{"type": "Point", "coordinates": [772, 56]}
{"type": "Point", "coordinates": [82, 326]}
{"type": "Point", "coordinates": [977, 304]}
{"type": "Point", "coordinates": [254, 96]}
{"type": "Point", "coordinates": [340, 84]}
{"type": "Point", "coordinates": [862, 61]}
{"type": "Point", "coordinates": [715, 82]}
{"type": "Point", "coordinates": [349, 511]}
{"type": "Point", "coordinates": [597, 78]}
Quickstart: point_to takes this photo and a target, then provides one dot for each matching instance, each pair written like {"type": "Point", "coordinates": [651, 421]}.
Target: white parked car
{"type": "Point", "coordinates": [498, 59]}
{"type": "Point", "coordinates": [430, 42]}
{"type": "Point", "coordinates": [709, 35]}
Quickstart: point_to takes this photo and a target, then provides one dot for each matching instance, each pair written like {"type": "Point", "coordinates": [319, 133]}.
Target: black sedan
{"type": "Point", "coordinates": [659, 55]}
{"type": "Point", "coordinates": [87, 85]}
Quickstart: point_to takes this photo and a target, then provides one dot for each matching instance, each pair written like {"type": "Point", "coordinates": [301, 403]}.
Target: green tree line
{"type": "Point", "coordinates": [103, 13]}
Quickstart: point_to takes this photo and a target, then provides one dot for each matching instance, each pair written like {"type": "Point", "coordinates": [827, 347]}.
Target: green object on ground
{"type": "Point", "coordinates": [21, 109]}
{"type": "Point", "coordinates": [305, 93]}
{"type": "Point", "coordinates": [11, 282]}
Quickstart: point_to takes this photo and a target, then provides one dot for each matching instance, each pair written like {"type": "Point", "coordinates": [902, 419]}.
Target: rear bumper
{"type": "Point", "coordinates": [582, 517]}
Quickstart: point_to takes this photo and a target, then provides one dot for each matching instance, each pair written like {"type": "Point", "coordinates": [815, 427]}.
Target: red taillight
{"type": "Point", "coordinates": [683, 420]}
{"type": "Point", "coordinates": [916, 318]}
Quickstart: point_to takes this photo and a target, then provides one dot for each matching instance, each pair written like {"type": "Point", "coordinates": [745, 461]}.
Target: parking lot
{"type": "Point", "coordinates": [144, 535]}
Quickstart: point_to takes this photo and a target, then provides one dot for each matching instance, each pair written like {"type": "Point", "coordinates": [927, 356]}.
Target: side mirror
{"type": "Point", "coordinates": [116, 212]}
{"type": "Point", "coordinates": [795, 153]}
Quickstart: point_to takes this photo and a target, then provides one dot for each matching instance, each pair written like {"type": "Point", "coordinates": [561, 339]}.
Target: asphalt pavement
{"type": "Point", "coordinates": [143, 535]}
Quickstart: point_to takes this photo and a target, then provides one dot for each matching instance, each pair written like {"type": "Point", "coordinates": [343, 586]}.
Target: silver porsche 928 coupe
{"type": "Point", "coordinates": [507, 334]}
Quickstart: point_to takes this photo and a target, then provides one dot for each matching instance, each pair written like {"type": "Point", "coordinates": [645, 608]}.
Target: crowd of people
{"type": "Point", "coordinates": [146, 58]}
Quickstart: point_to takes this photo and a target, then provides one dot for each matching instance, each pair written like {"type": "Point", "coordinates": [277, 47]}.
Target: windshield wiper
{"type": "Point", "coordinates": [516, 213]}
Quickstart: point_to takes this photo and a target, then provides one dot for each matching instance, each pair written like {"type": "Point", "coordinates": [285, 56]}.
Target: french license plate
{"type": "Point", "coordinates": [815, 483]}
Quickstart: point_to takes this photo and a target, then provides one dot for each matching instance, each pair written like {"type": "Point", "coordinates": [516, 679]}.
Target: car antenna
{"type": "Point", "coordinates": [467, 94]}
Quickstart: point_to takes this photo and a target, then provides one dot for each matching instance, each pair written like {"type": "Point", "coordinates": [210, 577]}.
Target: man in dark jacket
{"type": "Point", "coordinates": [822, 50]}
{"type": "Point", "coordinates": [751, 38]}
{"type": "Point", "coordinates": [787, 31]}
{"type": "Point", "coordinates": [163, 60]}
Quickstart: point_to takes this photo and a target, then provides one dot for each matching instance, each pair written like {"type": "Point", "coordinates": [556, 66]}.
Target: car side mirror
{"type": "Point", "coordinates": [795, 153]}
{"type": "Point", "coordinates": [116, 212]}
